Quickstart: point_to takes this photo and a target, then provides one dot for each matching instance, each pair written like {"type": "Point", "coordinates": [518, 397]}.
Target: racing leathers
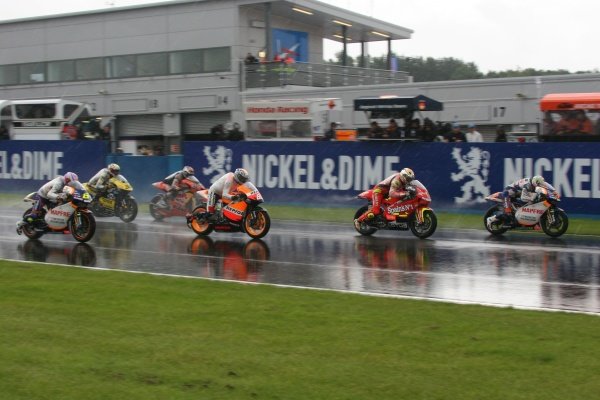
{"type": "Point", "coordinates": [51, 193]}
{"type": "Point", "coordinates": [224, 187]}
{"type": "Point", "coordinates": [524, 190]}
{"type": "Point", "coordinates": [99, 181]}
{"type": "Point", "coordinates": [173, 181]}
{"type": "Point", "coordinates": [392, 187]}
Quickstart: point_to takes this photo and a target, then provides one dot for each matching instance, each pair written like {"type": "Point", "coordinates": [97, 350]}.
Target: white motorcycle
{"type": "Point", "coordinates": [72, 216]}
{"type": "Point", "coordinates": [543, 213]}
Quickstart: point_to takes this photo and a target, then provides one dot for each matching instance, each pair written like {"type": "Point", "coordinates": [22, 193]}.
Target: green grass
{"type": "Point", "coordinates": [70, 333]}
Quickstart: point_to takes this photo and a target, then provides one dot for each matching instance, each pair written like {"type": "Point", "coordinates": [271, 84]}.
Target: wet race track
{"type": "Point", "coordinates": [523, 270]}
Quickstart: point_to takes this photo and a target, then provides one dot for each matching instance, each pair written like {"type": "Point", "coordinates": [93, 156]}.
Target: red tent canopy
{"type": "Point", "coordinates": [570, 101]}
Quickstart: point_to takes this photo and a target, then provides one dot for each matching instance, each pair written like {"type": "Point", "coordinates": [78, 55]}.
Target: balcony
{"type": "Point", "coordinates": [279, 74]}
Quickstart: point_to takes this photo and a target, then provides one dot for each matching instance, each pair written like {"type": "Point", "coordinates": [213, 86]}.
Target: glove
{"type": "Point", "coordinates": [410, 192]}
{"type": "Point", "coordinates": [61, 197]}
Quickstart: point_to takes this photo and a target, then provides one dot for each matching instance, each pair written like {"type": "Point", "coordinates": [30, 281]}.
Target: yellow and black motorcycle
{"type": "Point", "coordinates": [116, 201]}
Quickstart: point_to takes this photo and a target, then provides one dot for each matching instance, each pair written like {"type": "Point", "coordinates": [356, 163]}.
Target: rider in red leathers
{"type": "Point", "coordinates": [395, 186]}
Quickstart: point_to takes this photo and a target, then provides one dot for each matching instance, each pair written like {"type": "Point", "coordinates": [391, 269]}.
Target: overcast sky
{"type": "Point", "coordinates": [495, 35]}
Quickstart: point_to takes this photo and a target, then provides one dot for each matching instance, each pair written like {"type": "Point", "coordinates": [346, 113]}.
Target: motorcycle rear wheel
{"type": "Point", "coordinates": [200, 227]}
{"type": "Point", "coordinates": [154, 210]}
{"type": "Point", "coordinates": [128, 209]}
{"type": "Point", "coordinates": [28, 229]}
{"type": "Point", "coordinates": [496, 228]}
{"type": "Point", "coordinates": [427, 228]}
{"type": "Point", "coordinates": [86, 229]}
{"type": "Point", "coordinates": [560, 226]}
{"type": "Point", "coordinates": [257, 223]}
{"type": "Point", "coordinates": [363, 228]}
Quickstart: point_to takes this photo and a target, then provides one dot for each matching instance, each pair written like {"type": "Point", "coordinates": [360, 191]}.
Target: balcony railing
{"type": "Point", "coordinates": [279, 74]}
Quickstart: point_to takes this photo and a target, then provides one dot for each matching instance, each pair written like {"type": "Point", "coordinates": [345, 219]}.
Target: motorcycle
{"type": "Point", "coordinates": [244, 215]}
{"type": "Point", "coordinates": [182, 204]}
{"type": "Point", "coordinates": [116, 201]}
{"type": "Point", "coordinates": [543, 213]}
{"type": "Point", "coordinates": [400, 214]}
{"type": "Point", "coordinates": [71, 216]}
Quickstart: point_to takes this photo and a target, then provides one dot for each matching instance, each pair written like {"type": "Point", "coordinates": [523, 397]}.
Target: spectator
{"type": "Point", "coordinates": [584, 125]}
{"type": "Point", "coordinates": [234, 133]}
{"type": "Point", "coordinates": [375, 132]}
{"type": "Point", "coordinates": [4, 135]}
{"type": "Point", "coordinates": [217, 132]}
{"type": "Point", "coordinates": [456, 135]}
{"type": "Point", "coordinates": [330, 133]}
{"type": "Point", "coordinates": [473, 135]}
{"type": "Point", "coordinates": [393, 130]}
{"type": "Point", "coordinates": [105, 132]}
{"type": "Point", "coordinates": [549, 126]}
{"type": "Point", "coordinates": [501, 134]}
{"type": "Point", "coordinates": [413, 128]}
{"type": "Point", "coordinates": [250, 59]}
{"type": "Point", "coordinates": [69, 132]}
{"type": "Point", "coordinates": [428, 132]}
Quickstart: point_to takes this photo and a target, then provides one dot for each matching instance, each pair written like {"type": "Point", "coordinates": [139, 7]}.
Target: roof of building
{"type": "Point", "coordinates": [359, 28]}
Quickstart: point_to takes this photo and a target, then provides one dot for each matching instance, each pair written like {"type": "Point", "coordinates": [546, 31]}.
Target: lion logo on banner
{"type": "Point", "coordinates": [473, 169]}
{"type": "Point", "coordinates": [218, 160]}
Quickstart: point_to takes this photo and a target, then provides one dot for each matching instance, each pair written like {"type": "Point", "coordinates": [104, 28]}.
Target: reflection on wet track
{"type": "Point", "coordinates": [520, 270]}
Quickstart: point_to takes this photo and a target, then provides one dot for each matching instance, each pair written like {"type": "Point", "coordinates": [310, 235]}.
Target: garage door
{"type": "Point", "coordinates": [140, 125]}
{"type": "Point", "coordinates": [201, 123]}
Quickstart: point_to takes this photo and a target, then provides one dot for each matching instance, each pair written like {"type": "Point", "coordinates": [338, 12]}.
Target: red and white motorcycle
{"type": "Point", "coordinates": [543, 213]}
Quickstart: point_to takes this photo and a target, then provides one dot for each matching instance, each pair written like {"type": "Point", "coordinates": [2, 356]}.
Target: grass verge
{"type": "Point", "coordinates": [70, 333]}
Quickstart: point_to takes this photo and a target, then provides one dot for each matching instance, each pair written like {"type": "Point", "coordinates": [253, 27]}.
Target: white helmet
{"type": "Point", "coordinates": [114, 169]}
{"type": "Point", "coordinates": [187, 171]}
{"type": "Point", "coordinates": [407, 175]}
{"type": "Point", "coordinates": [537, 180]}
{"type": "Point", "coordinates": [241, 175]}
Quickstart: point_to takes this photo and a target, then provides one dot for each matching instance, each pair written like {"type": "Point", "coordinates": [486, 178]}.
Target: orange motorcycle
{"type": "Point", "coordinates": [186, 199]}
{"type": "Point", "coordinates": [244, 215]}
{"type": "Point", "coordinates": [410, 213]}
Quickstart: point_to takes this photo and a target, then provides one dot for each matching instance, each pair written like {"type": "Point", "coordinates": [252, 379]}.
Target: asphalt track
{"type": "Point", "coordinates": [521, 270]}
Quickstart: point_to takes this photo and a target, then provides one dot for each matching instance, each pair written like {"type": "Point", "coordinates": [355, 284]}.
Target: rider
{"type": "Point", "coordinates": [225, 187]}
{"type": "Point", "coordinates": [99, 181]}
{"type": "Point", "coordinates": [397, 186]}
{"type": "Point", "coordinates": [50, 193]}
{"type": "Point", "coordinates": [526, 190]}
{"type": "Point", "coordinates": [172, 184]}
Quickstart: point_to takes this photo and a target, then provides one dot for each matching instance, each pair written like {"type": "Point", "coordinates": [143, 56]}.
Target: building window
{"type": "Point", "coordinates": [89, 68]}
{"type": "Point", "coordinates": [217, 59]}
{"type": "Point", "coordinates": [9, 74]}
{"type": "Point", "coordinates": [61, 71]}
{"type": "Point", "coordinates": [32, 73]}
{"type": "Point", "coordinates": [152, 64]}
{"type": "Point", "coordinates": [186, 62]}
{"type": "Point", "coordinates": [121, 66]}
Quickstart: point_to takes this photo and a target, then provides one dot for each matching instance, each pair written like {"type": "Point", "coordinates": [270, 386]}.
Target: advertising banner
{"type": "Point", "coordinates": [458, 176]}
{"type": "Point", "coordinates": [25, 165]}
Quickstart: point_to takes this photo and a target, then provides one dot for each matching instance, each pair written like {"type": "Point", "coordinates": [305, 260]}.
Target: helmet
{"type": "Point", "coordinates": [537, 180]}
{"type": "Point", "coordinates": [70, 177]}
{"type": "Point", "coordinates": [241, 175]}
{"type": "Point", "coordinates": [407, 175]}
{"type": "Point", "coordinates": [114, 169]}
{"type": "Point", "coordinates": [187, 171]}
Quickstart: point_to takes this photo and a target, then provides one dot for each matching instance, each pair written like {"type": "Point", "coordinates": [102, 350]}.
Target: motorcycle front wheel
{"type": "Point", "coordinates": [257, 223]}
{"type": "Point", "coordinates": [427, 228]}
{"type": "Point", "coordinates": [200, 226]}
{"type": "Point", "coordinates": [556, 228]}
{"type": "Point", "coordinates": [127, 209]}
{"type": "Point", "coordinates": [495, 228]}
{"type": "Point", "coordinates": [82, 226]}
{"type": "Point", "coordinates": [363, 229]}
{"type": "Point", "coordinates": [154, 210]}
{"type": "Point", "coordinates": [28, 230]}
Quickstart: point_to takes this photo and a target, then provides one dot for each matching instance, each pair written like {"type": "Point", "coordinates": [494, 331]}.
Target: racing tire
{"type": "Point", "coordinates": [496, 228]}
{"type": "Point", "coordinates": [363, 228]}
{"type": "Point", "coordinates": [154, 210]}
{"type": "Point", "coordinates": [560, 226]}
{"type": "Point", "coordinates": [128, 209]}
{"type": "Point", "coordinates": [427, 228]}
{"type": "Point", "coordinates": [256, 223]}
{"type": "Point", "coordinates": [28, 230]}
{"type": "Point", "coordinates": [200, 227]}
{"type": "Point", "coordinates": [87, 227]}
